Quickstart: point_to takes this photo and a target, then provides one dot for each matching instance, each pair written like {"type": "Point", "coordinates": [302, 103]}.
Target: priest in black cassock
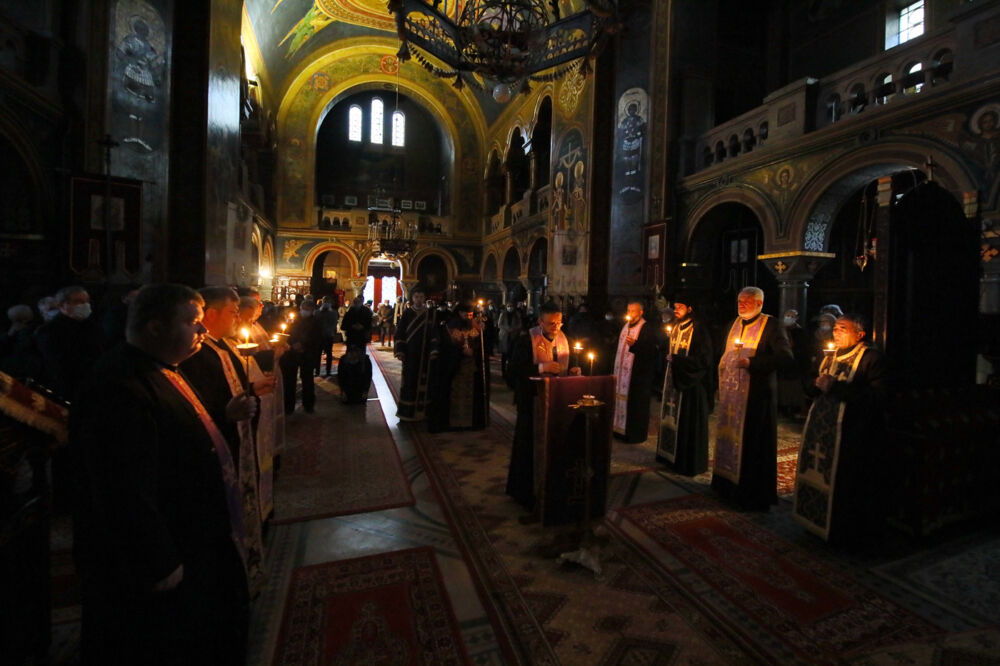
{"type": "Point", "coordinates": [837, 485]}
{"type": "Point", "coordinates": [543, 350]}
{"type": "Point", "coordinates": [158, 533]}
{"type": "Point", "coordinates": [687, 393]}
{"type": "Point", "coordinates": [417, 348]}
{"type": "Point", "coordinates": [635, 367]}
{"type": "Point", "coordinates": [746, 442]}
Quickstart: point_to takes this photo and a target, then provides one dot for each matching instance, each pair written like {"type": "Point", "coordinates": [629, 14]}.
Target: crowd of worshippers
{"type": "Point", "coordinates": [177, 401]}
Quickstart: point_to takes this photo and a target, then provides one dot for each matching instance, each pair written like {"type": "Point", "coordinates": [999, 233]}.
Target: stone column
{"type": "Point", "coordinates": [880, 283]}
{"type": "Point", "coordinates": [793, 271]}
{"type": "Point", "coordinates": [358, 286]}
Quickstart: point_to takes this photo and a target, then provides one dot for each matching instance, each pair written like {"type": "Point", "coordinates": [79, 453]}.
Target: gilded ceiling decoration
{"type": "Point", "coordinates": [365, 13]}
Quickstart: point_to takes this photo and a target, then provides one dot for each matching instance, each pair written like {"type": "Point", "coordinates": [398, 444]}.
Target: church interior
{"type": "Point", "coordinates": [826, 151]}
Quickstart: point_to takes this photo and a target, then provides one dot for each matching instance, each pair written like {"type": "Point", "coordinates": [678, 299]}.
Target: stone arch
{"type": "Point", "coordinates": [19, 139]}
{"type": "Point", "coordinates": [511, 263]}
{"type": "Point", "coordinates": [490, 268]}
{"type": "Point", "coordinates": [449, 262]}
{"type": "Point", "coordinates": [365, 258]}
{"type": "Point", "coordinates": [320, 248]}
{"type": "Point", "coordinates": [815, 208]}
{"type": "Point", "coordinates": [752, 198]}
{"type": "Point", "coordinates": [267, 256]}
{"type": "Point", "coordinates": [538, 257]}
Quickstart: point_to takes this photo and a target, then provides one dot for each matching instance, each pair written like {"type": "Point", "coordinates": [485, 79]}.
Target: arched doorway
{"type": "Point", "coordinates": [383, 282]}
{"type": "Point", "coordinates": [491, 280]}
{"type": "Point", "coordinates": [538, 260]}
{"type": "Point", "coordinates": [722, 259]}
{"type": "Point", "coordinates": [330, 272]}
{"type": "Point", "coordinates": [432, 273]}
{"type": "Point", "coordinates": [513, 289]}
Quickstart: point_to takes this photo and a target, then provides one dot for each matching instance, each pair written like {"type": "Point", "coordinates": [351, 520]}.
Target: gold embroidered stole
{"type": "Point", "coordinates": [819, 453]}
{"type": "Point", "coordinates": [623, 375]}
{"type": "Point", "coordinates": [734, 390]}
{"type": "Point", "coordinates": [670, 401]}
{"type": "Point", "coordinates": [541, 348]}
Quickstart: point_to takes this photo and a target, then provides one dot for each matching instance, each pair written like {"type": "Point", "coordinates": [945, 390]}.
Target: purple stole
{"type": "Point", "coordinates": [819, 454]}
{"type": "Point", "coordinates": [670, 402]}
{"type": "Point", "coordinates": [233, 503]}
{"type": "Point", "coordinates": [734, 390]}
{"type": "Point", "coordinates": [623, 376]}
{"type": "Point", "coordinates": [247, 472]}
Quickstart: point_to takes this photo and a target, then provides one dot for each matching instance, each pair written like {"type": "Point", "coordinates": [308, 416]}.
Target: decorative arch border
{"type": "Point", "coordinates": [366, 257]}
{"type": "Point", "coordinates": [302, 109]}
{"type": "Point", "coordinates": [814, 209]}
{"type": "Point", "coordinates": [504, 249]}
{"type": "Point", "coordinates": [530, 244]}
{"type": "Point", "coordinates": [267, 253]}
{"type": "Point", "coordinates": [420, 255]}
{"type": "Point", "coordinates": [313, 254]}
{"type": "Point", "coordinates": [754, 199]}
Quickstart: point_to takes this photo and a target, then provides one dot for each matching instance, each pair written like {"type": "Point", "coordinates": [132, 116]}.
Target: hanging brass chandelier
{"type": "Point", "coordinates": [506, 43]}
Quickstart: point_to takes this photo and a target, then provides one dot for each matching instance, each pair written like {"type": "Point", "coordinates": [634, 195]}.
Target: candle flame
{"type": "Point", "coordinates": [246, 334]}
{"type": "Point", "coordinates": [628, 317]}
{"type": "Point", "coordinates": [737, 342]}
{"type": "Point", "coordinates": [291, 316]}
{"type": "Point", "coordinates": [283, 326]}
{"type": "Point", "coordinates": [578, 346]}
{"type": "Point", "coordinates": [590, 356]}
{"type": "Point", "coordinates": [829, 346]}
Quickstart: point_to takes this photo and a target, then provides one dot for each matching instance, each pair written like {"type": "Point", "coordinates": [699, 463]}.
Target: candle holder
{"type": "Point", "coordinates": [577, 348]}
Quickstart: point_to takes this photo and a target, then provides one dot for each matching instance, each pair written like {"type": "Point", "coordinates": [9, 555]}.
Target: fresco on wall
{"type": "Point", "coordinates": [569, 217]}
{"type": "Point", "coordinates": [630, 142]}
{"type": "Point", "coordinates": [139, 98]}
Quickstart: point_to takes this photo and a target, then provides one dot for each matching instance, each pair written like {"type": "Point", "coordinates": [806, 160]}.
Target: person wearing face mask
{"type": "Point", "coordinates": [822, 337]}
{"type": "Point", "coordinates": [746, 459]}
{"type": "Point", "coordinates": [509, 326]}
{"type": "Point", "coordinates": [18, 356]}
{"type": "Point", "coordinates": [47, 308]}
{"type": "Point", "coordinates": [70, 343]}
{"type": "Point", "coordinates": [791, 391]}
{"type": "Point", "coordinates": [305, 343]}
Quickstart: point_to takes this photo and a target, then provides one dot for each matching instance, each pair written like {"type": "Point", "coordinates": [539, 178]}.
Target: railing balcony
{"type": "Point", "coordinates": [961, 51]}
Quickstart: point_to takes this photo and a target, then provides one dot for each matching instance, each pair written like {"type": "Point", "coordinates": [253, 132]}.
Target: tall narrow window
{"type": "Point", "coordinates": [911, 21]}
{"type": "Point", "coordinates": [376, 132]}
{"type": "Point", "coordinates": [354, 123]}
{"type": "Point", "coordinates": [398, 129]}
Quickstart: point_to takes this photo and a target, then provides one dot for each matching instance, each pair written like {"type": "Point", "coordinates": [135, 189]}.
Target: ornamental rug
{"type": "Point", "coordinates": [325, 471]}
{"type": "Point", "coordinates": [792, 603]}
{"type": "Point", "coordinates": [963, 576]}
{"type": "Point", "coordinates": [543, 613]}
{"type": "Point", "coordinates": [389, 608]}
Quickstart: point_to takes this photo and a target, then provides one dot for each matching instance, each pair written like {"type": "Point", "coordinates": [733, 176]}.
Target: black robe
{"type": "Point", "coordinates": [417, 344]}
{"type": "Point", "coordinates": [206, 375]}
{"type": "Point", "coordinates": [858, 498]}
{"type": "Point", "coordinates": [691, 375]}
{"type": "Point", "coordinates": [151, 498]}
{"type": "Point", "coordinates": [521, 473]}
{"type": "Point", "coordinates": [758, 485]}
{"type": "Point", "coordinates": [640, 387]}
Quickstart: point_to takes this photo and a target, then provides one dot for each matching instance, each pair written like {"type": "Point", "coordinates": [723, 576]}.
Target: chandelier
{"type": "Point", "coordinates": [388, 235]}
{"type": "Point", "coordinates": [506, 42]}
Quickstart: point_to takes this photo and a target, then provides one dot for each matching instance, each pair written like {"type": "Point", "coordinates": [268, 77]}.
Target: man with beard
{"type": "Point", "coordinates": [837, 485]}
{"type": "Point", "coordinates": [746, 444]}
{"type": "Point", "coordinates": [158, 528]}
{"type": "Point", "coordinates": [417, 348]}
{"type": "Point", "coordinates": [685, 404]}
{"type": "Point", "coordinates": [635, 366]}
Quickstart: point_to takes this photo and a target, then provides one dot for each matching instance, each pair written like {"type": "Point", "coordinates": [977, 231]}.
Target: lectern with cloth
{"type": "Point", "coordinates": [562, 437]}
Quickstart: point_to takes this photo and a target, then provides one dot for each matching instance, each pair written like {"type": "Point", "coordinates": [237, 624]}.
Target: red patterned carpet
{"type": "Point", "coordinates": [390, 608]}
{"type": "Point", "coordinates": [352, 467]}
{"type": "Point", "coordinates": [776, 589]}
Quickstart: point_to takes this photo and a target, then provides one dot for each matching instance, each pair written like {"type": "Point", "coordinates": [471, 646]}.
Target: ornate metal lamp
{"type": "Point", "coordinates": [506, 42]}
{"type": "Point", "coordinates": [388, 235]}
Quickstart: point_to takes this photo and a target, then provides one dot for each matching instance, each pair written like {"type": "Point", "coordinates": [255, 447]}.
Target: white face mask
{"type": "Point", "coordinates": [49, 315]}
{"type": "Point", "coordinates": [609, 317]}
{"type": "Point", "coordinates": [80, 311]}
{"type": "Point", "coordinates": [789, 321]}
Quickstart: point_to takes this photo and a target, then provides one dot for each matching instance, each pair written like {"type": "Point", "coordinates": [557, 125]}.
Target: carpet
{"type": "Point", "coordinates": [543, 614]}
{"type": "Point", "coordinates": [777, 592]}
{"type": "Point", "coordinates": [389, 608]}
{"type": "Point", "coordinates": [352, 468]}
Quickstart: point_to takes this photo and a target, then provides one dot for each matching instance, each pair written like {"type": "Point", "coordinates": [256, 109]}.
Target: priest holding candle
{"type": "Point", "coordinates": [837, 484]}
{"type": "Point", "coordinates": [746, 456]}
{"type": "Point", "coordinates": [634, 369]}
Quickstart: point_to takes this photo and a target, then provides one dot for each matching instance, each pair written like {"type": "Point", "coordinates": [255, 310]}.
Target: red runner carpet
{"type": "Point", "coordinates": [770, 586]}
{"type": "Point", "coordinates": [389, 608]}
{"type": "Point", "coordinates": [353, 467]}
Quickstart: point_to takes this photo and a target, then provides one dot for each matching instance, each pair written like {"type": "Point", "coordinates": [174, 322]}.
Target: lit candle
{"type": "Point", "coordinates": [291, 316]}
{"type": "Point", "coordinates": [829, 351]}
{"type": "Point", "coordinates": [246, 335]}
{"type": "Point", "coordinates": [738, 344]}
{"type": "Point", "coordinates": [284, 327]}
{"type": "Point", "coordinates": [590, 355]}
{"type": "Point", "coordinates": [669, 329]}
{"type": "Point", "coordinates": [628, 318]}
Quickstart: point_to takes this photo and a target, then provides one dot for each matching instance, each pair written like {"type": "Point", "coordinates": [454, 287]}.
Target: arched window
{"type": "Point", "coordinates": [913, 78]}
{"type": "Point", "coordinates": [833, 108]}
{"type": "Point", "coordinates": [398, 129]}
{"type": "Point", "coordinates": [354, 123]}
{"type": "Point", "coordinates": [376, 132]}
